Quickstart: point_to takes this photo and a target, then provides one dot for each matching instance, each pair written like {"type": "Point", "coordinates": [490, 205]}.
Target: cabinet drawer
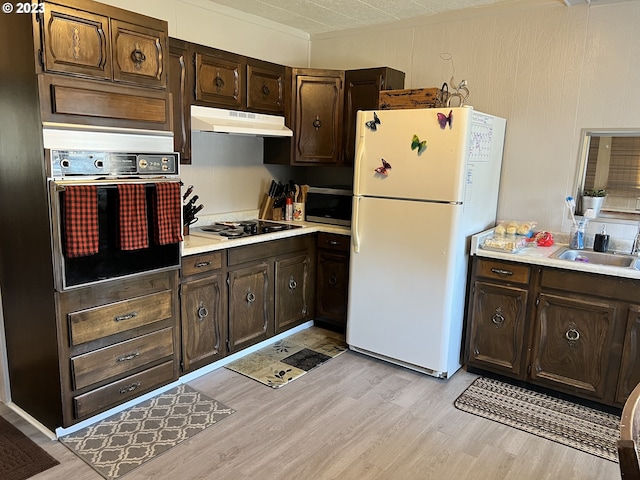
{"type": "Point", "coordinates": [99, 322]}
{"type": "Point", "coordinates": [333, 241]}
{"type": "Point", "coordinates": [201, 263]}
{"type": "Point", "coordinates": [503, 271]}
{"type": "Point", "coordinates": [123, 390]}
{"type": "Point", "coordinates": [117, 359]}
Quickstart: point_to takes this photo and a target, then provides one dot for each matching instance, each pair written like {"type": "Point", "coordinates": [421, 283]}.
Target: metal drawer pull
{"type": "Point", "coordinates": [128, 356]}
{"type": "Point", "coordinates": [333, 242]}
{"type": "Point", "coordinates": [265, 90]}
{"type": "Point", "coordinates": [126, 316]}
{"type": "Point", "coordinates": [130, 388]}
{"type": "Point", "coordinates": [333, 280]}
{"type": "Point", "coordinates": [292, 283]}
{"type": "Point", "coordinates": [317, 123]}
{"type": "Point", "coordinates": [499, 271]}
{"type": "Point", "coordinates": [202, 264]}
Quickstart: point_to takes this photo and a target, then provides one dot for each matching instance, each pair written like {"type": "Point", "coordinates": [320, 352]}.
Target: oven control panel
{"type": "Point", "coordinates": [65, 163]}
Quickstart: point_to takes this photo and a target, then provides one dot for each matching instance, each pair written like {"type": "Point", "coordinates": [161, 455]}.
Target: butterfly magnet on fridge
{"type": "Point", "coordinates": [373, 124]}
{"type": "Point", "coordinates": [383, 170]}
{"type": "Point", "coordinates": [416, 144]}
{"type": "Point", "coordinates": [444, 119]}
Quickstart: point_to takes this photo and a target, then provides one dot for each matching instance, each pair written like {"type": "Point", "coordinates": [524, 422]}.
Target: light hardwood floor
{"type": "Point", "coordinates": [353, 418]}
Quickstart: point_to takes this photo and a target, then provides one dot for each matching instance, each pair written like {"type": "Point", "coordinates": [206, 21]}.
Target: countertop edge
{"type": "Point", "coordinates": [195, 244]}
{"type": "Point", "coordinates": [540, 256]}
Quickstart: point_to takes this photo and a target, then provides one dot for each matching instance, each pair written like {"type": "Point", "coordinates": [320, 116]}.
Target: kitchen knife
{"type": "Point", "coordinates": [187, 193]}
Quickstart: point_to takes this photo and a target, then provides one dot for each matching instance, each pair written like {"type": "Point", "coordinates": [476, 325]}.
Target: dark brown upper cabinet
{"type": "Point", "coordinates": [361, 92]}
{"type": "Point", "coordinates": [219, 78]}
{"type": "Point", "coordinates": [266, 87]}
{"type": "Point", "coordinates": [179, 86]}
{"type": "Point", "coordinates": [104, 43]}
{"type": "Point", "coordinates": [316, 120]}
{"type": "Point", "coordinates": [101, 65]}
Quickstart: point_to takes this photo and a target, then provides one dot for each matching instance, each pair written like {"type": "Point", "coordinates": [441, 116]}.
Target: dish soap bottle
{"type": "Point", "coordinates": [601, 241]}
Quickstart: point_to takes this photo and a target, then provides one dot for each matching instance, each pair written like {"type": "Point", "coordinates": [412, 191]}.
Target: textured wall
{"type": "Point", "coordinates": [548, 69]}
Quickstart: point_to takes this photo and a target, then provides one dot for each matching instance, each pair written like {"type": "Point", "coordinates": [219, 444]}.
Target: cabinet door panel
{"type": "Point", "coordinates": [630, 366]}
{"type": "Point", "coordinates": [219, 81]}
{"type": "Point", "coordinates": [138, 54]}
{"type": "Point", "coordinates": [497, 331]}
{"type": "Point", "coordinates": [178, 86]}
{"type": "Point", "coordinates": [76, 42]}
{"type": "Point", "coordinates": [318, 117]}
{"type": "Point", "coordinates": [249, 306]}
{"type": "Point", "coordinates": [333, 286]}
{"type": "Point", "coordinates": [362, 91]}
{"type": "Point", "coordinates": [292, 284]}
{"type": "Point", "coordinates": [204, 329]}
{"type": "Point", "coordinates": [265, 89]}
{"type": "Point", "coordinates": [572, 344]}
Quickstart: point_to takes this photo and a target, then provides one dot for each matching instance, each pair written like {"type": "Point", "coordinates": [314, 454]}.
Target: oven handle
{"type": "Point", "coordinates": [61, 185]}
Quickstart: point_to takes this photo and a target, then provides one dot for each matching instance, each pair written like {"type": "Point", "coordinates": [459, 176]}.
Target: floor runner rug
{"type": "Point", "coordinates": [120, 443]}
{"type": "Point", "coordinates": [283, 361]}
{"type": "Point", "coordinates": [561, 421]}
{"type": "Point", "coordinates": [20, 457]}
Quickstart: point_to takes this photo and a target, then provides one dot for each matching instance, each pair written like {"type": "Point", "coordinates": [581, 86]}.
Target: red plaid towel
{"type": "Point", "coordinates": [81, 220]}
{"type": "Point", "coordinates": [132, 217]}
{"type": "Point", "coordinates": [168, 209]}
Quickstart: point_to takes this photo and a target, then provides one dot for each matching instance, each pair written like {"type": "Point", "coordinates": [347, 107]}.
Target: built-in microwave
{"type": "Point", "coordinates": [329, 205]}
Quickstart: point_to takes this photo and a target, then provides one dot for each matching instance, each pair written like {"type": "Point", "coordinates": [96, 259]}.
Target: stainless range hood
{"type": "Point", "coordinates": [207, 119]}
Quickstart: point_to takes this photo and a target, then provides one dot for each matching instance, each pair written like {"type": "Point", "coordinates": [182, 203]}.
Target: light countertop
{"type": "Point", "coordinates": [540, 256]}
{"type": "Point", "coordinates": [197, 242]}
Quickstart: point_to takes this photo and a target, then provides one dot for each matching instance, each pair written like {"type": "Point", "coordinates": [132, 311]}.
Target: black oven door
{"type": "Point", "coordinates": [110, 261]}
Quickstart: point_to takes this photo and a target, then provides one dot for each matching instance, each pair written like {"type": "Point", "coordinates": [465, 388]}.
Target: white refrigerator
{"type": "Point", "coordinates": [425, 180]}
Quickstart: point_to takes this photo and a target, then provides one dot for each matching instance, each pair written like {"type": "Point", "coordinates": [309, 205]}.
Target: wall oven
{"type": "Point", "coordinates": [115, 209]}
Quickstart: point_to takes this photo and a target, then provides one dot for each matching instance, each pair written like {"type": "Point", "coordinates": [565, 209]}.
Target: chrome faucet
{"type": "Point", "coordinates": [636, 243]}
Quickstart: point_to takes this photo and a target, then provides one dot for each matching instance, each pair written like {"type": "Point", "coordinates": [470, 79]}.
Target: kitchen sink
{"type": "Point", "coordinates": [597, 258]}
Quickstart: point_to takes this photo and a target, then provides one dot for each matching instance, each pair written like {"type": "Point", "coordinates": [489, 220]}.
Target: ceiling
{"type": "Point", "coordinates": [320, 16]}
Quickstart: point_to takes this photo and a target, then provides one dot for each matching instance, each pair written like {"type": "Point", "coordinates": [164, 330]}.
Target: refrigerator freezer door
{"type": "Point", "coordinates": [402, 283]}
{"type": "Point", "coordinates": [435, 173]}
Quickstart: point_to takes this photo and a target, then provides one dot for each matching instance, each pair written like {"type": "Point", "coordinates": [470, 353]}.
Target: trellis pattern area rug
{"type": "Point", "coordinates": [118, 444]}
{"type": "Point", "coordinates": [20, 457]}
{"type": "Point", "coordinates": [561, 421]}
{"type": "Point", "coordinates": [280, 363]}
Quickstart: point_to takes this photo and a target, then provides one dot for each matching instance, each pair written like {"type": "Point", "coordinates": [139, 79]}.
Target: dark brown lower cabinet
{"type": "Point", "coordinates": [572, 344]}
{"type": "Point", "coordinates": [630, 366]}
{"type": "Point", "coordinates": [573, 332]}
{"type": "Point", "coordinates": [250, 305]}
{"type": "Point", "coordinates": [498, 329]}
{"type": "Point", "coordinates": [293, 293]}
{"type": "Point", "coordinates": [271, 288]}
{"type": "Point", "coordinates": [333, 279]}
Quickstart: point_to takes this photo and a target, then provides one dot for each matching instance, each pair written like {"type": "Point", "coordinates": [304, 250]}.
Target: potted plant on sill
{"type": "Point", "coordinates": [593, 199]}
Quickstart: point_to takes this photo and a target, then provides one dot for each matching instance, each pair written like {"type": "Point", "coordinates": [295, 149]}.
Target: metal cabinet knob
{"type": "Point", "coordinates": [292, 283]}
{"type": "Point", "coordinates": [251, 297]}
{"type": "Point", "coordinates": [498, 319]}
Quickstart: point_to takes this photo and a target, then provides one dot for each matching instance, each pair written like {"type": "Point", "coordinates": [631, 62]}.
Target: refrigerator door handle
{"type": "Point", "coordinates": [354, 223]}
{"type": "Point", "coordinates": [358, 165]}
